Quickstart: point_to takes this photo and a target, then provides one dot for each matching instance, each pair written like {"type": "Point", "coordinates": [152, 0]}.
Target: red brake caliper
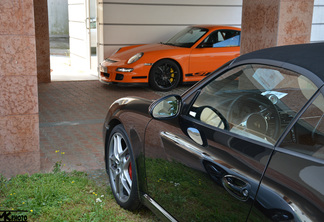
{"type": "Point", "coordinates": [130, 171]}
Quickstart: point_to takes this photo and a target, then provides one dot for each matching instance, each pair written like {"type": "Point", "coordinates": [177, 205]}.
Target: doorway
{"type": "Point", "coordinates": [77, 61]}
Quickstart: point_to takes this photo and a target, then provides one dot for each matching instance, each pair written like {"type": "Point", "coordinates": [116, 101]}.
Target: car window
{"type": "Point", "coordinates": [230, 42]}
{"type": "Point", "coordinates": [222, 38]}
{"type": "Point", "coordinates": [254, 101]}
{"type": "Point", "coordinates": [187, 37]}
{"type": "Point", "coordinates": [307, 135]}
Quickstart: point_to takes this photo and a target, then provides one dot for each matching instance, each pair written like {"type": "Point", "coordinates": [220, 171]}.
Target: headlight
{"type": "Point", "coordinates": [135, 58]}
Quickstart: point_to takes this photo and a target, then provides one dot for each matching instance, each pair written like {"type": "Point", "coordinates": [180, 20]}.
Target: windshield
{"type": "Point", "coordinates": [187, 37]}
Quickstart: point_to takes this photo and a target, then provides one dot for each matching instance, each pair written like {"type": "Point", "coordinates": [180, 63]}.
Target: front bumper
{"type": "Point", "coordinates": [108, 73]}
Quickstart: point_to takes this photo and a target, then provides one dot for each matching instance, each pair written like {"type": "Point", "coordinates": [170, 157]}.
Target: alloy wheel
{"type": "Point", "coordinates": [165, 75]}
{"type": "Point", "coordinates": [120, 167]}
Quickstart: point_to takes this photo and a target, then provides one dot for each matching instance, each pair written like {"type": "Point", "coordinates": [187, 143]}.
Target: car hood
{"type": "Point", "coordinates": [128, 53]}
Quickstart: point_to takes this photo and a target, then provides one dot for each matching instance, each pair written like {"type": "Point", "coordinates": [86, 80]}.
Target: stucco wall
{"type": "Point", "coordinates": [58, 18]}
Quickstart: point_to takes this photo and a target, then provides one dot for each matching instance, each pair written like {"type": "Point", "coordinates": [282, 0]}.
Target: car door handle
{"type": "Point", "coordinates": [237, 187]}
{"type": "Point", "coordinates": [195, 135]}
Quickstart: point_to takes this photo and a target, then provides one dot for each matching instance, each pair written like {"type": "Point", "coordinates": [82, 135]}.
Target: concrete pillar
{"type": "Point", "coordinates": [19, 120]}
{"type": "Point", "coordinates": [42, 41]}
{"type": "Point", "coordinates": [268, 23]}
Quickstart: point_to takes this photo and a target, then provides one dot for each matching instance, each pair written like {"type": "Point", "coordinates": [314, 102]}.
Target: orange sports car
{"type": "Point", "coordinates": [187, 57]}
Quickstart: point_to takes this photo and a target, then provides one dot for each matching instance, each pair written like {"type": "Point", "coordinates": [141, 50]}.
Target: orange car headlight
{"type": "Point", "coordinates": [134, 58]}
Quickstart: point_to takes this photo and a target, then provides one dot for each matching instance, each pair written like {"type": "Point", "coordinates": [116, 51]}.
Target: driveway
{"type": "Point", "coordinates": [71, 115]}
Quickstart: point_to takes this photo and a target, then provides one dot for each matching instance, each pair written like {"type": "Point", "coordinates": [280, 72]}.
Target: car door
{"type": "Point", "coordinates": [199, 171]}
{"type": "Point", "coordinates": [215, 50]}
{"type": "Point", "coordinates": [185, 178]}
{"type": "Point", "coordinates": [293, 185]}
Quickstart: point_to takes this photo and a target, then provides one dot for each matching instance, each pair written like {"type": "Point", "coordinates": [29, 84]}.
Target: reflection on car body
{"type": "Point", "coordinates": [246, 143]}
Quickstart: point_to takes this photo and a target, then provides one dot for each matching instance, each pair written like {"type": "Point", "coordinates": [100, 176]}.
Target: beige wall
{"type": "Point", "coordinates": [317, 34]}
{"type": "Point", "coordinates": [19, 122]}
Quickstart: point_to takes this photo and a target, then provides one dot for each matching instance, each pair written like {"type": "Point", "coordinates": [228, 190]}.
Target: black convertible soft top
{"type": "Point", "coordinates": [308, 56]}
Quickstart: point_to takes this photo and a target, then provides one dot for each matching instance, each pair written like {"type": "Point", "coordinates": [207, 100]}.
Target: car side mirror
{"type": "Point", "coordinates": [166, 108]}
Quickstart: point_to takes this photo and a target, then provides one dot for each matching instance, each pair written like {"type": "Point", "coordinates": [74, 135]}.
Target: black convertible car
{"type": "Point", "coordinates": [244, 144]}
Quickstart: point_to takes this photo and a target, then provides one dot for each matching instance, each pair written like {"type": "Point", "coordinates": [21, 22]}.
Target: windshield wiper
{"type": "Point", "coordinates": [166, 43]}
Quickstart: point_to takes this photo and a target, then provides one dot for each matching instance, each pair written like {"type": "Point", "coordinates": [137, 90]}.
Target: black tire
{"type": "Point", "coordinates": [121, 169]}
{"type": "Point", "coordinates": [165, 75]}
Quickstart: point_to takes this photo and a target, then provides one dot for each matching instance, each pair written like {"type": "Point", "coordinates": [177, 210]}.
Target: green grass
{"type": "Point", "coordinates": [62, 196]}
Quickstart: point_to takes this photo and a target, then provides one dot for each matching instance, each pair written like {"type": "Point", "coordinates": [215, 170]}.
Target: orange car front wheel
{"type": "Point", "coordinates": [165, 75]}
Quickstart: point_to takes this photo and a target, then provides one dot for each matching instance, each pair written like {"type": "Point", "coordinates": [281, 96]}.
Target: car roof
{"type": "Point", "coordinates": [212, 27]}
{"type": "Point", "coordinates": [308, 56]}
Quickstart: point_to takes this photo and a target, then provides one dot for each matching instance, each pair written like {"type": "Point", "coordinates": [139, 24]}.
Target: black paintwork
{"type": "Point", "coordinates": [283, 193]}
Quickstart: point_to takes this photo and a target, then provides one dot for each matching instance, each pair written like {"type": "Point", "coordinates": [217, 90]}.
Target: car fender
{"type": "Point", "coordinates": [132, 113]}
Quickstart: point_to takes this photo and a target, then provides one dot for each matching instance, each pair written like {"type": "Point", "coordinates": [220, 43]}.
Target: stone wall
{"type": "Point", "coordinates": [19, 121]}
